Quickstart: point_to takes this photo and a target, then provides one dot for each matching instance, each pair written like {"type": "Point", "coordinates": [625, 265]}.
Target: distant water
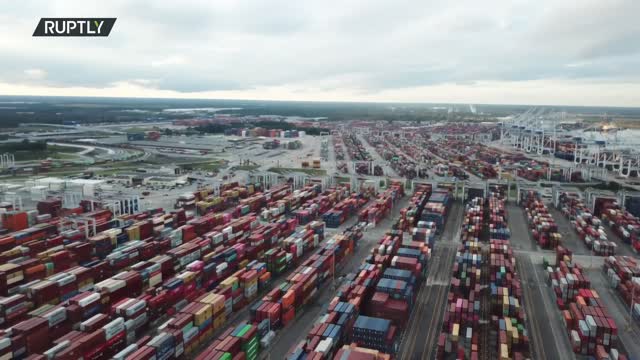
{"type": "Point", "coordinates": [623, 137]}
{"type": "Point", "coordinates": [209, 109]}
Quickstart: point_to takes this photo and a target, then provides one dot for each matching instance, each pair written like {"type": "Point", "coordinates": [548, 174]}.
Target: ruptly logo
{"type": "Point", "coordinates": [74, 27]}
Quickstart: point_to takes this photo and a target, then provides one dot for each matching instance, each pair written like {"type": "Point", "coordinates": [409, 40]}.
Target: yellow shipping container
{"type": "Point", "coordinates": [208, 257]}
{"type": "Point", "coordinates": [219, 321]}
{"type": "Point", "coordinates": [216, 301]}
{"type": "Point", "coordinates": [455, 332]}
{"type": "Point", "coordinates": [242, 264]}
{"type": "Point", "coordinates": [133, 232]}
{"type": "Point", "coordinates": [187, 276]}
{"type": "Point", "coordinates": [504, 352]}
{"type": "Point", "coordinates": [516, 336]}
{"type": "Point", "coordinates": [229, 282]}
{"type": "Point", "coordinates": [203, 314]}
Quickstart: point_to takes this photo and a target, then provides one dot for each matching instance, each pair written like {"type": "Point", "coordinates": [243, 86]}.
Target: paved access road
{"type": "Point", "coordinates": [388, 171]}
{"type": "Point", "coordinates": [623, 248]}
{"type": "Point", "coordinates": [547, 337]}
{"type": "Point", "coordinates": [303, 322]}
{"type": "Point", "coordinates": [628, 336]}
{"type": "Point", "coordinates": [570, 238]}
{"type": "Point", "coordinates": [420, 339]}
{"type": "Point", "coordinates": [521, 238]}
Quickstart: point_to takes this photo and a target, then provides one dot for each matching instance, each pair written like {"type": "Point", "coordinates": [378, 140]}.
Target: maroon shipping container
{"type": "Point", "coordinates": [35, 333]}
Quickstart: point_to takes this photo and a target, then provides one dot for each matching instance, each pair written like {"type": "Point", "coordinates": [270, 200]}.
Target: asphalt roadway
{"type": "Point", "coordinates": [547, 336]}
{"type": "Point", "coordinates": [570, 238]}
{"type": "Point", "coordinates": [300, 327]}
{"type": "Point", "coordinates": [420, 339]}
{"type": "Point", "coordinates": [627, 335]}
{"type": "Point", "coordinates": [623, 248]}
{"type": "Point", "coordinates": [521, 238]}
{"type": "Point", "coordinates": [546, 332]}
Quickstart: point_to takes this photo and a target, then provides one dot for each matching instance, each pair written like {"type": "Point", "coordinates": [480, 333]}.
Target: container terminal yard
{"type": "Point", "coordinates": [515, 238]}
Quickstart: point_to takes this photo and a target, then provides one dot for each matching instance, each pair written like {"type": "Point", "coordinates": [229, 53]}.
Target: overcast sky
{"type": "Point", "coordinates": [582, 52]}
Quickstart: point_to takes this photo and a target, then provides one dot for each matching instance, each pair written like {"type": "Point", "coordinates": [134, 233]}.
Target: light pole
{"type": "Point", "coordinates": [333, 269]}
{"type": "Point", "coordinates": [633, 293]}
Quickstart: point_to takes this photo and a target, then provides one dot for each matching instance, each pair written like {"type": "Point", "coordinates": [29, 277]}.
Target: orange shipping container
{"type": "Point", "coordinates": [288, 299]}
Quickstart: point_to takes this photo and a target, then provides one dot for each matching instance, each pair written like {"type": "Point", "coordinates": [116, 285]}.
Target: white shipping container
{"type": "Point", "coordinates": [51, 353]}
{"type": "Point", "coordinates": [84, 324]}
{"type": "Point", "coordinates": [134, 324]}
{"type": "Point", "coordinates": [179, 350]}
{"type": "Point", "coordinates": [89, 299]}
{"type": "Point", "coordinates": [122, 355]}
{"type": "Point", "coordinates": [113, 328]}
{"type": "Point", "coordinates": [134, 308]}
{"type": "Point", "coordinates": [115, 285]}
{"type": "Point", "coordinates": [591, 322]}
{"type": "Point", "coordinates": [56, 316]}
{"type": "Point", "coordinates": [5, 343]}
{"type": "Point", "coordinates": [615, 355]}
{"type": "Point", "coordinates": [124, 305]}
{"type": "Point", "coordinates": [575, 338]}
{"type": "Point", "coordinates": [325, 346]}
{"type": "Point", "coordinates": [155, 279]}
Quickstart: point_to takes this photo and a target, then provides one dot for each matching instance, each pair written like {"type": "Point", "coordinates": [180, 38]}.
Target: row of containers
{"type": "Point", "coordinates": [205, 199]}
{"type": "Point", "coordinates": [623, 273]}
{"type": "Point", "coordinates": [414, 150]}
{"type": "Point", "coordinates": [279, 307]}
{"type": "Point", "coordinates": [588, 227]}
{"type": "Point", "coordinates": [591, 329]}
{"type": "Point", "coordinates": [57, 284]}
{"type": "Point", "coordinates": [543, 227]}
{"type": "Point", "coordinates": [338, 147]}
{"type": "Point", "coordinates": [356, 150]}
{"type": "Point", "coordinates": [485, 162]}
{"type": "Point", "coordinates": [465, 153]}
{"type": "Point", "coordinates": [484, 285]}
{"type": "Point", "coordinates": [426, 215]}
{"type": "Point", "coordinates": [372, 307]}
{"type": "Point", "coordinates": [41, 251]}
{"type": "Point", "coordinates": [344, 210]}
{"type": "Point", "coordinates": [622, 222]}
{"type": "Point", "coordinates": [403, 166]}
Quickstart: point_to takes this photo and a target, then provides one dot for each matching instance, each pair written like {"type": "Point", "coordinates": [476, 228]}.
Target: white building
{"type": "Point", "coordinates": [166, 181]}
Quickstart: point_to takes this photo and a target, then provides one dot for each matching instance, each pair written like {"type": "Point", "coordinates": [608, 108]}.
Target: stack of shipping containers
{"type": "Point", "coordinates": [622, 222]}
{"type": "Point", "coordinates": [372, 308]}
{"type": "Point", "coordinates": [623, 273]}
{"type": "Point", "coordinates": [543, 227]}
{"type": "Point", "coordinates": [485, 284]}
{"type": "Point", "coordinates": [588, 226]}
{"type": "Point", "coordinates": [591, 330]}
{"type": "Point", "coordinates": [278, 308]}
{"type": "Point", "coordinates": [460, 333]}
{"type": "Point", "coordinates": [72, 296]}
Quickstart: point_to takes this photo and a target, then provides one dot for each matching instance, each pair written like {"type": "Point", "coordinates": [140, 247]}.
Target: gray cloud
{"type": "Point", "coordinates": [367, 46]}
